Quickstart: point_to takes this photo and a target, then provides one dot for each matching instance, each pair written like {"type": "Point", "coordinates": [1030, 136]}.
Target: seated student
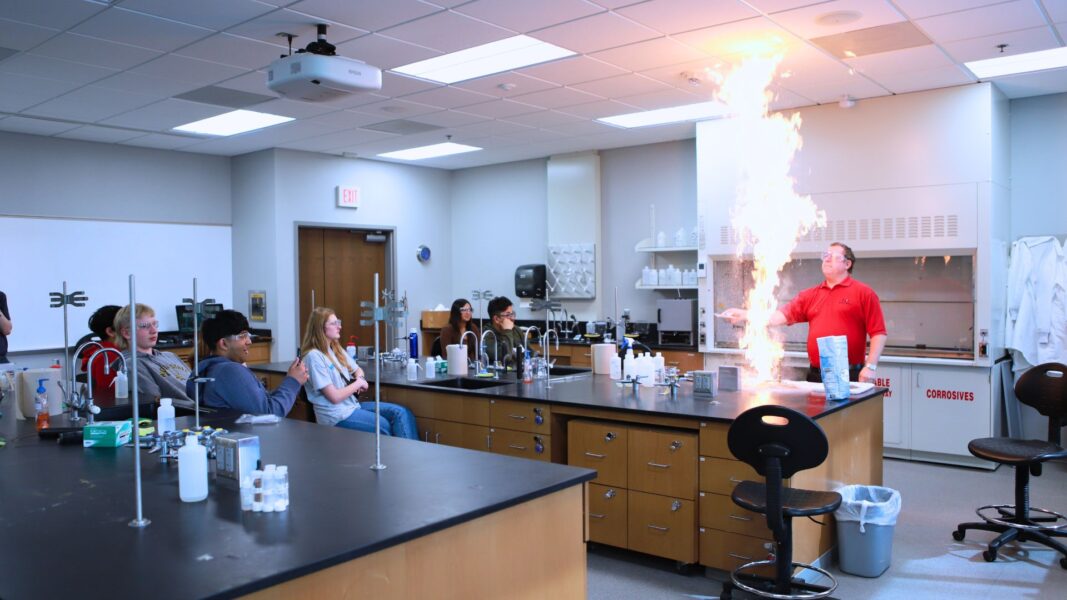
{"type": "Point", "coordinates": [102, 324]}
{"type": "Point", "coordinates": [502, 324]}
{"type": "Point", "coordinates": [159, 374]}
{"type": "Point", "coordinates": [459, 322]}
{"type": "Point", "coordinates": [235, 387]}
{"type": "Point", "coordinates": [334, 380]}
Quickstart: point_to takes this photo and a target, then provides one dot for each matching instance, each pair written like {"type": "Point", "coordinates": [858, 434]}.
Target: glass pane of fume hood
{"type": "Point", "coordinates": [928, 302]}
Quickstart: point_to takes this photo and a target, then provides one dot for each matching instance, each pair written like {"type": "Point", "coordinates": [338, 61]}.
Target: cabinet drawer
{"type": "Point", "coordinates": [713, 440]}
{"type": "Point", "coordinates": [258, 353]}
{"type": "Point", "coordinates": [721, 476]}
{"type": "Point", "coordinates": [662, 525]}
{"type": "Point", "coordinates": [607, 515]}
{"type": "Point", "coordinates": [581, 356]}
{"type": "Point", "coordinates": [719, 512]}
{"type": "Point", "coordinates": [727, 551]}
{"type": "Point", "coordinates": [599, 446]}
{"type": "Point", "coordinates": [444, 407]}
{"type": "Point", "coordinates": [521, 443]}
{"type": "Point", "coordinates": [684, 361]}
{"type": "Point", "coordinates": [520, 416]}
{"type": "Point", "coordinates": [474, 437]}
{"type": "Point", "coordinates": [663, 462]}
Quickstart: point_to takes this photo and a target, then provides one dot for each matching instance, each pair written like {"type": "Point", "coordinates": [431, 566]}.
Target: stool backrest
{"type": "Point", "coordinates": [774, 431]}
{"type": "Point", "coordinates": [1044, 387]}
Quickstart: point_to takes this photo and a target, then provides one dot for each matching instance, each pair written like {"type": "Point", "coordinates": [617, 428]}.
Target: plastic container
{"type": "Point", "coordinates": [281, 480]}
{"type": "Point", "coordinates": [40, 406]}
{"type": "Point", "coordinates": [165, 416]}
{"type": "Point", "coordinates": [246, 493]}
{"type": "Point", "coordinates": [527, 368]}
{"type": "Point", "coordinates": [413, 369]}
{"type": "Point", "coordinates": [865, 523]}
{"type": "Point", "coordinates": [350, 349]}
{"type": "Point", "coordinates": [430, 368]}
{"type": "Point", "coordinates": [659, 364]}
{"type": "Point", "coordinates": [192, 471]}
{"type": "Point", "coordinates": [257, 491]}
{"type": "Point", "coordinates": [122, 384]}
{"type": "Point", "coordinates": [270, 488]}
{"type": "Point", "coordinates": [413, 344]}
{"type": "Point", "coordinates": [615, 367]}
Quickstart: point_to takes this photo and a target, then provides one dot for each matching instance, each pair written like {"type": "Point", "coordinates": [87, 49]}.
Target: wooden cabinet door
{"type": "Point", "coordinates": [475, 437]}
{"type": "Point", "coordinates": [607, 515]}
{"type": "Point", "coordinates": [663, 462]}
{"type": "Point", "coordinates": [427, 429]}
{"type": "Point", "coordinates": [721, 476]}
{"type": "Point", "coordinates": [312, 273]}
{"type": "Point", "coordinates": [521, 443]}
{"type": "Point", "coordinates": [720, 512]}
{"type": "Point", "coordinates": [684, 361]}
{"type": "Point", "coordinates": [599, 446]}
{"type": "Point", "coordinates": [581, 356]}
{"type": "Point", "coordinates": [662, 525]}
{"type": "Point", "coordinates": [521, 416]}
{"type": "Point", "coordinates": [727, 551]}
{"type": "Point", "coordinates": [713, 440]}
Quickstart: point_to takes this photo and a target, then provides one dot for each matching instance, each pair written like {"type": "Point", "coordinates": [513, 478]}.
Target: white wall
{"type": "Point", "coordinates": [1038, 176]}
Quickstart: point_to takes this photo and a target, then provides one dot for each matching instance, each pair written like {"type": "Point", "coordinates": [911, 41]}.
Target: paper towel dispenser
{"type": "Point", "coordinates": [530, 281]}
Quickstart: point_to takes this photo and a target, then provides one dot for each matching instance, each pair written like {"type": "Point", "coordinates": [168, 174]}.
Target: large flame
{"type": "Point", "coordinates": [768, 215]}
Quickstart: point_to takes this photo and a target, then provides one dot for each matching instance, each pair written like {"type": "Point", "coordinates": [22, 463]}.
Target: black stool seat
{"type": "Point", "coordinates": [795, 502]}
{"type": "Point", "coordinates": [1009, 451]}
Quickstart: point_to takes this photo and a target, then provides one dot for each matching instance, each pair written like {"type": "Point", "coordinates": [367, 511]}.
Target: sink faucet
{"type": "Point", "coordinates": [90, 408]}
{"type": "Point", "coordinates": [548, 361]}
{"type": "Point", "coordinates": [477, 345]}
{"type": "Point", "coordinates": [526, 336]}
{"type": "Point", "coordinates": [481, 348]}
{"type": "Point", "coordinates": [73, 398]}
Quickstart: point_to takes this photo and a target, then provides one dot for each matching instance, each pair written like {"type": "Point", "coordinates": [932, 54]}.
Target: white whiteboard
{"type": "Point", "coordinates": [97, 257]}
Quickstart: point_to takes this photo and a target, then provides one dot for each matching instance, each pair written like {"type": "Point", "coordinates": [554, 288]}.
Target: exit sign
{"type": "Point", "coordinates": [347, 197]}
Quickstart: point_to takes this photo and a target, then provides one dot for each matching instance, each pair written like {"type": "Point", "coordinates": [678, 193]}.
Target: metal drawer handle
{"type": "Point", "coordinates": [437, 438]}
{"type": "Point", "coordinates": [518, 417]}
{"type": "Point", "coordinates": [732, 480]}
{"type": "Point", "coordinates": [587, 354]}
{"type": "Point", "coordinates": [740, 518]}
{"type": "Point", "coordinates": [517, 447]}
{"type": "Point", "coordinates": [427, 440]}
{"type": "Point", "coordinates": [673, 362]}
{"type": "Point", "coordinates": [658, 466]}
{"type": "Point", "coordinates": [596, 516]}
{"type": "Point", "coordinates": [738, 556]}
{"type": "Point", "coordinates": [595, 455]}
{"type": "Point", "coordinates": [658, 528]}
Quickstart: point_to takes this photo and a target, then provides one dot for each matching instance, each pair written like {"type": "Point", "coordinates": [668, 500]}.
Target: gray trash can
{"type": "Point", "coordinates": [865, 523]}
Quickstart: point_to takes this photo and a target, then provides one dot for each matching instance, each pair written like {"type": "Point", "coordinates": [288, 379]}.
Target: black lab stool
{"type": "Point", "coordinates": [1043, 387]}
{"type": "Point", "coordinates": [777, 442]}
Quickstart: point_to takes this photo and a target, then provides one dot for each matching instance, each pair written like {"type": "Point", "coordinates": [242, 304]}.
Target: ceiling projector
{"type": "Point", "coordinates": [316, 73]}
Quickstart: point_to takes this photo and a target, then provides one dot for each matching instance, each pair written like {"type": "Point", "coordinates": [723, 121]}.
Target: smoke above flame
{"type": "Point", "coordinates": [768, 215]}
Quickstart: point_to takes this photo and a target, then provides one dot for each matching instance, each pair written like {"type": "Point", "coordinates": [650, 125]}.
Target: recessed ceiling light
{"type": "Point", "coordinates": [1018, 63]}
{"type": "Point", "coordinates": [662, 116]}
{"type": "Point", "coordinates": [840, 17]}
{"type": "Point", "coordinates": [232, 123]}
{"type": "Point", "coordinates": [495, 57]}
{"type": "Point", "coordinates": [432, 151]}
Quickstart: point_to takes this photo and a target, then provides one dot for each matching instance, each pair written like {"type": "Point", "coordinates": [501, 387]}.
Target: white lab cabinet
{"type": "Point", "coordinates": [896, 411]}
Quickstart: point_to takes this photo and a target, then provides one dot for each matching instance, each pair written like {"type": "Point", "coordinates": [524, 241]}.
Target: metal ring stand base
{"type": "Point", "coordinates": [765, 594]}
{"type": "Point", "coordinates": [1018, 525]}
{"type": "Point", "coordinates": [140, 523]}
{"type": "Point", "coordinates": [378, 467]}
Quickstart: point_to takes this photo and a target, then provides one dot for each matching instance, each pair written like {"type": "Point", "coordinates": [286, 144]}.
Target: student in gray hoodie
{"type": "Point", "coordinates": [235, 387]}
{"type": "Point", "coordinates": [159, 374]}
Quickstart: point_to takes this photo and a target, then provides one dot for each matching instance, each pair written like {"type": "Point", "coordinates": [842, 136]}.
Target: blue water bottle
{"type": "Point", "coordinates": [413, 344]}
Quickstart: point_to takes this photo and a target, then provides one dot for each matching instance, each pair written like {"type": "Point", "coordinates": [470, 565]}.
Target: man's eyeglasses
{"type": "Point", "coordinates": [331, 323]}
{"type": "Point", "coordinates": [834, 257]}
{"type": "Point", "coordinates": [508, 315]}
{"type": "Point", "coordinates": [148, 325]}
{"type": "Point", "coordinates": [244, 336]}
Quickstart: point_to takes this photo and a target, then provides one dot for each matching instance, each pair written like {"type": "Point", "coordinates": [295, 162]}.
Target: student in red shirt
{"type": "Point", "coordinates": [840, 305]}
{"type": "Point", "coordinates": [101, 323]}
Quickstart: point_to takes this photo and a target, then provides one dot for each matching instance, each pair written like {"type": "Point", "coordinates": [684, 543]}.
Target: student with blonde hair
{"type": "Point", "coordinates": [335, 380]}
{"type": "Point", "coordinates": [159, 374]}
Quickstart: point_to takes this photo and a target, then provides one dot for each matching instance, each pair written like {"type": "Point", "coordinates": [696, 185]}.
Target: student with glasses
{"type": "Point", "coordinates": [234, 386]}
{"type": "Point", "coordinates": [840, 305]}
{"type": "Point", "coordinates": [159, 374]}
{"type": "Point", "coordinates": [508, 337]}
{"type": "Point", "coordinates": [335, 380]}
{"type": "Point", "coordinates": [459, 322]}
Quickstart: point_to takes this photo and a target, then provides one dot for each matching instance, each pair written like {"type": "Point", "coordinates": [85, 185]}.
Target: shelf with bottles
{"type": "Point", "coordinates": [649, 245]}
{"type": "Point", "coordinates": [671, 278]}
{"type": "Point", "coordinates": [639, 286]}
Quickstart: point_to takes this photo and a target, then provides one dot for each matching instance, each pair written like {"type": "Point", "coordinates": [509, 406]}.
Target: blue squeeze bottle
{"type": "Point", "coordinates": [413, 344]}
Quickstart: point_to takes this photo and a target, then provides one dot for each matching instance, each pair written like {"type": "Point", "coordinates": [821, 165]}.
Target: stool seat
{"type": "Point", "coordinates": [795, 502]}
{"type": "Point", "coordinates": [1010, 451]}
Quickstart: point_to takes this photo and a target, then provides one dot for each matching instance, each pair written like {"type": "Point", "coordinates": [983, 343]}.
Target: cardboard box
{"type": "Point", "coordinates": [107, 434]}
{"type": "Point", "coordinates": [434, 319]}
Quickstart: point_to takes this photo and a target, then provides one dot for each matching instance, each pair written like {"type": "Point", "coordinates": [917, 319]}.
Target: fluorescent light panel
{"type": "Point", "coordinates": [1018, 63]}
{"type": "Point", "coordinates": [494, 57]}
{"type": "Point", "coordinates": [432, 151]}
{"type": "Point", "coordinates": [662, 116]}
{"type": "Point", "coordinates": [232, 123]}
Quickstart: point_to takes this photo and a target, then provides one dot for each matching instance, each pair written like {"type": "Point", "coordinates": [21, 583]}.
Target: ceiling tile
{"type": "Point", "coordinates": [369, 16]}
{"type": "Point", "coordinates": [917, 9]}
{"type": "Point", "coordinates": [21, 36]}
{"type": "Point", "coordinates": [776, 6]}
{"type": "Point", "coordinates": [529, 136]}
{"type": "Point", "coordinates": [1031, 84]}
{"type": "Point", "coordinates": [616, 3]}
{"type": "Point", "coordinates": [18, 92]}
{"type": "Point", "coordinates": [665, 99]}
{"type": "Point", "coordinates": [59, 14]}
{"type": "Point", "coordinates": [679, 75]}
{"type": "Point", "coordinates": [572, 70]}
{"type": "Point", "coordinates": [1057, 10]}
{"type": "Point", "coordinates": [165, 115]}
{"type": "Point", "coordinates": [357, 100]}
{"type": "Point", "coordinates": [397, 109]}
{"type": "Point", "coordinates": [580, 128]}
{"type": "Point", "coordinates": [135, 82]}
{"type": "Point", "coordinates": [136, 29]}
{"type": "Point", "coordinates": [346, 119]}
{"type": "Point", "coordinates": [227, 49]}
{"type": "Point", "coordinates": [782, 99]}
{"type": "Point", "coordinates": [981, 22]}
{"type": "Point", "coordinates": [505, 85]}
{"type": "Point", "coordinates": [599, 109]}
{"type": "Point", "coordinates": [546, 119]}
{"type": "Point", "coordinates": [52, 68]}
{"type": "Point", "coordinates": [267, 27]}
{"type": "Point", "coordinates": [650, 54]}
{"type": "Point", "coordinates": [94, 133]}
{"type": "Point", "coordinates": [621, 86]}
{"type": "Point", "coordinates": [831, 90]}
{"type": "Point", "coordinates": [94, 51]}
{"type": "Point", "coordinates": [487, 128]}
{"type": "Point", "coordinates": [806, 22]}
{"type": "Point", "coordinates": [523, 16]}
{"type": "Point", "coordinates": [449, 118]}
{"type": "Point", "coordinates": [337, 139]}
{"type": "Point", "coordinates": [913, 81]}
{"type": "Point", "coordinates": [447, 32]}
{"type": "Point", "coordinates": [557, 97]}
{"type": "Point", "coordinates": [394, 84]}
{"type": "Point", "coordinates": [254, 82]}
{"type": "Point", "coordinates": [498, 109]}
{"type": "Point", "coordinates": [447, 97]}
{"type": "Point", "coordinates": [900, 61]}
{"type": "Point", "coordinates": [1018, 42]}
{"type": "Point", "coordinates": [161, 141]}
{"type": "Point", "coordinates": [598, 32]}
{"type": "Point", "coordinates": [384, 52]}
{"type": "Point", "coordinates": [191, 70]}
{"type": "Point", "coordinates": [676, 16]}
{"type": "Point", "coordinates": [90, 104]}
{"type": "Point", "coordinates": [293, 108]}
{"type": "Point", "coordinates": [35, 126]}
{"type": "Point", "coordinates": [211, 14]}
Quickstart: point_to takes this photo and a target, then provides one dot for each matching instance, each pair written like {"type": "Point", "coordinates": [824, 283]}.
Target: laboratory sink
{"type": "Point", "coordinates": [467, 383]}
{"type": "Point", "coordinates": [562, 371]}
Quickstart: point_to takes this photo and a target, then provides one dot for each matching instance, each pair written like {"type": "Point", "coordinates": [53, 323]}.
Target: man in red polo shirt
{"type": "Point", "coordinates": [838, 306]}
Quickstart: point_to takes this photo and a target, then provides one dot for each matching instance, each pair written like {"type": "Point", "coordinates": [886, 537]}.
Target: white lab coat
{"type": "Point", "coordinates": [1036, 323]}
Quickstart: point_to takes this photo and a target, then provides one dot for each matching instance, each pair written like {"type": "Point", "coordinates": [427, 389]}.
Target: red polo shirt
{"type": "Point", "coordinates": [850, 308]}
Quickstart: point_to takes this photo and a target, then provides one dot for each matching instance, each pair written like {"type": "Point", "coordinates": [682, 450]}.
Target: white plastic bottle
{"type": "Point", "coordinates": [661, 367]}
{"type": "Point", "coordinates": [122, 385]}
{"type": "Point", "coordinates": [628, 370]}
{"type": "Point", "coordinates": [192, 471]}
{"type": "Point", "coordinates": [430, 368]}
{"type": "Point", "coordinates": [270, 488]}
{"type": "Point", "coordinates": [165, 416]}
{"type": "Point", "coordinates": [281, 480]}
{"type": "Point", "coordinates": [413, 369]}
{"type": "Point", "coordinates": [615, 367]}
{"type": "Point", "coordinates": [246, 493]}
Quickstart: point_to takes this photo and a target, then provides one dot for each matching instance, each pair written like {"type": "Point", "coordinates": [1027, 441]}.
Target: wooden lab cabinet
{"type": "Point", "coordinates": [683, 361]}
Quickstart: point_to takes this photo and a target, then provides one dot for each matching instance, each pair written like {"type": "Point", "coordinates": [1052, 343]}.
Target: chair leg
{"type": "Point", "coordinates": [962, 528]}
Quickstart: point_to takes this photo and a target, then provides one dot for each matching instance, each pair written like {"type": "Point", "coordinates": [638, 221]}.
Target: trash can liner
{"type": "Point", "coordinates": [868, 504]}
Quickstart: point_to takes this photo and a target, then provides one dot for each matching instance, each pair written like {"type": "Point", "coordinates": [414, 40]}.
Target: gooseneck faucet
{"type": "Point", "coordinates": [73, 398]}
{"type": "Point", "coordinates": [481, 347]}
{"type": "Point", "coordinates": [548, 355]}
{"type": "Point", "coordinates": [90, 408]}
{"type": "Point", "coordinates": [477, 346]}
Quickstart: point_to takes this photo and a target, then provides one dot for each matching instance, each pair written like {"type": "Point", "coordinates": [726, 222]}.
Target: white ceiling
{"type": "Point", "coordinates": [109, 71]}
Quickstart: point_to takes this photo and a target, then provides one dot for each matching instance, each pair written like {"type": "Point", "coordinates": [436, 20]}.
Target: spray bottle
{"type": "Point", "coordinates": [413, 344]}
{"type": "Point", "coordinates": [350, 349]}
{"type": "Point", "coordinates": [40, 404]}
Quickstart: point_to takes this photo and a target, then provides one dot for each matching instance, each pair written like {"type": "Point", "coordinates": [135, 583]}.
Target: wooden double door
{"type": "Point", "coordinates": [337, 268]}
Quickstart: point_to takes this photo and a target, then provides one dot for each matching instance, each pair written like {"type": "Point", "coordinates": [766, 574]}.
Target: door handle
{"type": "Point", "coordinates": [594, 455]}
{"type": "Point", "coordinates": [518, 417]}
{"type": "Point", "coordinates": [740, 518]}
{"type": "Point", "coordinates": [658, 528]}
{"type": "Point", "coordinates": [658, 466]}
{"type": "Point", "coordinates": [517, 447]}
{"type": "Point", "coordinates": [437, 438]}
{"type": "Point", "coordinates": [596, 516]}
